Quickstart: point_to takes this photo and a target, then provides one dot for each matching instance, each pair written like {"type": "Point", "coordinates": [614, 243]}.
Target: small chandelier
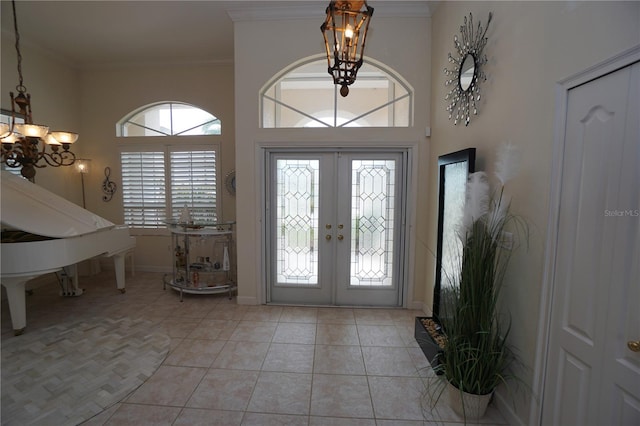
{"type": "Point", "coordinates": [345, 33]}
{"type": "Point", "coordinates": [25, 144]}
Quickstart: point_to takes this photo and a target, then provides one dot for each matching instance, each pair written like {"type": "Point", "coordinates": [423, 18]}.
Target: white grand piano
{"type": "Point", "coordinates": [43, 233]}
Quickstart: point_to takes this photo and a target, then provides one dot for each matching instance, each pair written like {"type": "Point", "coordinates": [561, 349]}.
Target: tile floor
{"type": "Point", "coordinates": [233, 364]}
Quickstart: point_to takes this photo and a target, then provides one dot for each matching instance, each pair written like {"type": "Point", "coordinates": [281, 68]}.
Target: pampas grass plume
{"type": "Point", "coordinates": [477, 199]}
{"type": "Point", "coordinates": [507, 163]}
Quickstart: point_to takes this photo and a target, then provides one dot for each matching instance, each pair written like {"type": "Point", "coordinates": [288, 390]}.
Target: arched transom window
{"type": "Point", "coordinates": [169, 119]}
{"type": "Point", "coordinates": [303, 95]}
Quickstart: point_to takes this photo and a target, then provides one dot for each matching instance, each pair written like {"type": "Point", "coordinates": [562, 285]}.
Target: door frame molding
{"type": "Point", "coordinates": [563, 87]}
{"type": "Point", "coordinates": [411, 151]}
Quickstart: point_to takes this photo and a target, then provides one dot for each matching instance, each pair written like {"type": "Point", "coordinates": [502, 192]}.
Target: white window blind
{"type": "Point", "coordinates": [193, 183]}
{"type": "Point", "coordinates": [143, 189]}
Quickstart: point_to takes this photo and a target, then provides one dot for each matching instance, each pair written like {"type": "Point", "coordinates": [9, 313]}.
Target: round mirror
{"type": "Point", "coordinates": [467, 72]}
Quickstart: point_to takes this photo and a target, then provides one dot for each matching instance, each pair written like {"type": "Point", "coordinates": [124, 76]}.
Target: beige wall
{"type": "Point", "coordinates": [109, 94]}
{"type": "Point", "coordinates": [262, 49]}
{"type": "Point", "coordinates": [532, 46]}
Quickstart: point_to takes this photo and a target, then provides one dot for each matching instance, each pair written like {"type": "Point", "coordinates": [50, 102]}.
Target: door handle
{"type": "Point", "coordinates": [340, 237]}
{"type": "Point", "coordinates": [327, 237]}
{"type": "Point", "coordinates": [634, 346]}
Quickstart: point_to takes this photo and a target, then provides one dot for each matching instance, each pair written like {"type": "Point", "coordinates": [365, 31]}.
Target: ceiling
{"type": "Point", "coordinates": [99, 33]}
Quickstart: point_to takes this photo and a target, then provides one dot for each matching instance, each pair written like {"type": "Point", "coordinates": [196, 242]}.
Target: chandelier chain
{"type": "Point", "coordinates": [20, 87]}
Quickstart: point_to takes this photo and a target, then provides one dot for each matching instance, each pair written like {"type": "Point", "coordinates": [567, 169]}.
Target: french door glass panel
{"type": "Point", "coordinates": [297, 193]}
{"type": "Point", "coordinates": [333, 219]}
{"type": "Point", "coordinates": [372, 221]}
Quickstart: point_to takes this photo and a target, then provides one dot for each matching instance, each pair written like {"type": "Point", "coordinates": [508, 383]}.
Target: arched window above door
{"type": "Point", "coordinates": [303, 95]}
{"type": "Point", "coordinates": [169, 119]}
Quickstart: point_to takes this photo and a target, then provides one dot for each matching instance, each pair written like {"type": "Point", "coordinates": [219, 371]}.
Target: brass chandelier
{"type": "Point", "coordinates": [345, 32]}
{"type": "Point", "coordinates": [25, 144]}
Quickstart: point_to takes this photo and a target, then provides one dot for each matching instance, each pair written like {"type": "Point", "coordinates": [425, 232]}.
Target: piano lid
{"type": "Point", "coordinates": [28, 207]}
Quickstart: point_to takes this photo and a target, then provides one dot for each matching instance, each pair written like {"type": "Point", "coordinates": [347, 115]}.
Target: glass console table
{"type": "Point", "coordinates": [202, 258]}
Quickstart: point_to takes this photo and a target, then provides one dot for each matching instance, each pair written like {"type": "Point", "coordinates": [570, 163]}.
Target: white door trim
{"type": "Point", "coordinates": [563, 87]}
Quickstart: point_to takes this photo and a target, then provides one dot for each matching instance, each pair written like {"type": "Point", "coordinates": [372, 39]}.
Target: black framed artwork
{"type": "Point", "coordinates": [454, 170]}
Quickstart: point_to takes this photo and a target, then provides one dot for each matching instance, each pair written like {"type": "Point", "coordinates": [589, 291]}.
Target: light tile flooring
{"type": "Point", "coordinates": [233, 364]}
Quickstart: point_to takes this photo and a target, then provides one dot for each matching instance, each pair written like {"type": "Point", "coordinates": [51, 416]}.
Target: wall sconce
{"type": "Point", "coordinates": [83, 166]}
{"type": "Point", "coordinates": [345, 32]}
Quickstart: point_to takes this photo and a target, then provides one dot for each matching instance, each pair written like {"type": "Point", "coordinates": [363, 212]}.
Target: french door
{"type": "Point", "coordinates": [335, 227]}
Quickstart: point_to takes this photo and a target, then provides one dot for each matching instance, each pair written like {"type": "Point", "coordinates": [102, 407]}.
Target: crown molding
{"type": "Point", "coordinates": [283, 10]}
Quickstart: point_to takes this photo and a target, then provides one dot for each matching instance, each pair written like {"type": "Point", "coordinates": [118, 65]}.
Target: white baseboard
{"type": "Point", "coordinates": [163, 269]}
{"type": "Point", "coordinates": [420, 306]}
{"type": "Point", "coordinates": [415, 305]}
{"type": "Point", "coordinates": [247, 300]}
{"type": "Point", "coordinates": [107, 264]}
{"type": "Point", "coordinates": [506, 410]}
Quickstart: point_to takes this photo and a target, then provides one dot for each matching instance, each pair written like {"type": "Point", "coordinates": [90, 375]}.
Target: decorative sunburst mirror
{"type": "Point", "coordinates": [467, 71]}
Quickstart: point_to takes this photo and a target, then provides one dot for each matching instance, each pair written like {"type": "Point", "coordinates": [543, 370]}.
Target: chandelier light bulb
{"type": "Point", "coordinates": [64, 137]}
{"type": "Point", "coordinates": [49, 139]}
{"type": "Point", "coordinates": [32, 130]}
{"type": "Point", "coordinates": [348, 32]}
{"type": "Point", "coordinates": [11, 138]}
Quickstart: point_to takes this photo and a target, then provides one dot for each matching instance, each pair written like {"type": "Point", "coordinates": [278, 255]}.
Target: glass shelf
{"type": "Point", "coordinates": [215, 289]}
{"type": "Point", "coordinates": [200, 228]}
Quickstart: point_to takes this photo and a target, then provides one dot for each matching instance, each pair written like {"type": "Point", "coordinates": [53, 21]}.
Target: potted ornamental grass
{"type": "Point", "coordinates": [477, 355]}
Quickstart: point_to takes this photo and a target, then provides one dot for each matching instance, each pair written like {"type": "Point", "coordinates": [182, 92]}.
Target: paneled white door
{"type": "Point", "coordinates": [593, 368]}
{"type": "Point", "coordinates": [335, 233]}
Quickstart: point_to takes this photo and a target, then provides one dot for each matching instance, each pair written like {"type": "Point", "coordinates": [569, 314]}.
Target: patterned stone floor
{"type": "Point", "coordinates": [69, 372]}
{"type": "Point", "coordinates": [232, 364]}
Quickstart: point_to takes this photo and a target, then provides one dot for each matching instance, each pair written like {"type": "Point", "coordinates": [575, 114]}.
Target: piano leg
{"type": "Point", "coordinates": [15, 295]}
{"type": "Point", "coordinates": [118, 261]}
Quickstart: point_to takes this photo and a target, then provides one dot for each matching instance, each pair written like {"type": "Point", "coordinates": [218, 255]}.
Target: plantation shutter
{"type": "Point", "coordinates": [193, 183]}
{"type": "Point", "coordinates": [143, 189]}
